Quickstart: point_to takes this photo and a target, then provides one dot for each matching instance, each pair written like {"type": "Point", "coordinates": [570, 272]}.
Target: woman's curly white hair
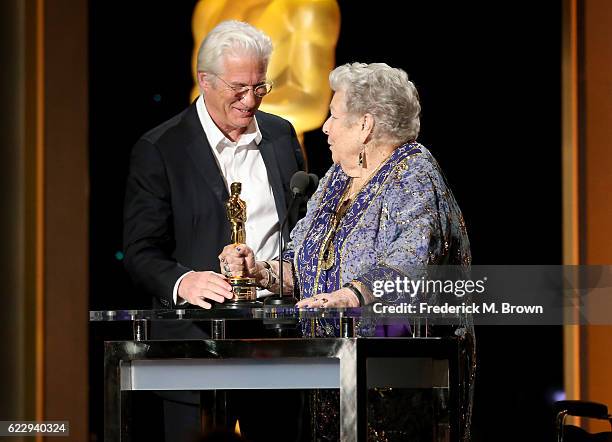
{"type": "Point", "coordinates": [385, 93]}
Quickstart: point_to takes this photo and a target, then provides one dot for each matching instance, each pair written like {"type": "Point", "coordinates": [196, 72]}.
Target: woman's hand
{"type": "Point", "coordinates": [238, 260]}
{"type": "Point", "coordinates": [340, 298]}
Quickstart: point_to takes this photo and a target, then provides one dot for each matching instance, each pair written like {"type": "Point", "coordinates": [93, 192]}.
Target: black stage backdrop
{"type": "Point", "coordinates": [489, 78]}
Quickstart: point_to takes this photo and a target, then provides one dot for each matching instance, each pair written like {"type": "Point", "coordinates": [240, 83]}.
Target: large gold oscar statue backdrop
{"type": "Point", "coordinates": [304, 34]}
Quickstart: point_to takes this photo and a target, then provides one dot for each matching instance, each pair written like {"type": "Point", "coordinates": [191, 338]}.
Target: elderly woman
{"type": "Point", "coordinates": [382, 210]}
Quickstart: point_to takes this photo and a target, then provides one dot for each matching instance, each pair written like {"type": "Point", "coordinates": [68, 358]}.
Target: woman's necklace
{"type": "Point", "coordinates": [328, 254]}
{"type": "Point", "coordinates": [364, 183]}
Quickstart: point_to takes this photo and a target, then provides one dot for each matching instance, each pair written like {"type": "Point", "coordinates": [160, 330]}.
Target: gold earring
{"type": "Point", "coordinates": [361, 156]}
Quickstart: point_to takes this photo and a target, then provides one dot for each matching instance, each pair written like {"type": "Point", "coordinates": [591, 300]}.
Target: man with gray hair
{"type": "Point", "coordinates": [175, 222]}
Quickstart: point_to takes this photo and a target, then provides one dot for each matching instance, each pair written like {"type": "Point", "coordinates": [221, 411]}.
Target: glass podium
{"type": "Point", "coordinates": [389, 388]}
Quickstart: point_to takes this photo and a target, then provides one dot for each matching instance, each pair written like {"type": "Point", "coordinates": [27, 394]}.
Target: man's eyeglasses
{"type": "Point", "coordinates": [259, 90]}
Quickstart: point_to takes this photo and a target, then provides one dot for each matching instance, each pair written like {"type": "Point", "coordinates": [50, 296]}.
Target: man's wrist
{"type": "Point", "coordinates": [176, 297]}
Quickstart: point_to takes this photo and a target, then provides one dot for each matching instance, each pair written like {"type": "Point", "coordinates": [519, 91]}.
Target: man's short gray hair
{"type": "Point", "coordinates": [385, 93]}
{"type": "Point", "coordinates": [232, 38]}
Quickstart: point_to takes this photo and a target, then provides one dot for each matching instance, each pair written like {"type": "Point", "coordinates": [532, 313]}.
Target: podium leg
{"type": "Point", "coordinates": [213, 410]}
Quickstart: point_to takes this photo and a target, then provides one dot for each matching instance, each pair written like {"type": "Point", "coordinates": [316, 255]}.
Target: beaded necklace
{"type": "Point", "coordinates": [328, 252]}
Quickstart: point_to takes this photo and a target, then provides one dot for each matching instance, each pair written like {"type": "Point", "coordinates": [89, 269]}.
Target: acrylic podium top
{"type": "Point", "coordinates": [244, 313]}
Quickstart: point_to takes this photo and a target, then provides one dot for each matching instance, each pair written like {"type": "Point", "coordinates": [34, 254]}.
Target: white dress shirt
{"type": "Point", "coordinates": [241, 161]}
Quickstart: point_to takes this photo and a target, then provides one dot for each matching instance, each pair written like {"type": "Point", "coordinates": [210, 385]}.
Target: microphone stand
{"type": "Point", "coordinates": [281, 300]}
{"type": "Point", "coordinates": [301, 184]}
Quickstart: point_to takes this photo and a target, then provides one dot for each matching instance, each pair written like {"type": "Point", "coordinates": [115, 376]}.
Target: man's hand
{"type": "Point", "coordinates": [196, 287]}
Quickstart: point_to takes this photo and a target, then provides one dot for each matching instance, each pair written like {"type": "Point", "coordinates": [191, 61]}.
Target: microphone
{"type": "Point", "coordinates": [313, 183]}
{"type": "Point", "coordinates": [302, 184]}
{"type": "Point", "coordinates": [299, 183]}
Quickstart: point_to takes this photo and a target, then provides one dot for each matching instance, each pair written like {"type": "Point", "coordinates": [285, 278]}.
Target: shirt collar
{"type": "Point", "coordinates": [216, 138]}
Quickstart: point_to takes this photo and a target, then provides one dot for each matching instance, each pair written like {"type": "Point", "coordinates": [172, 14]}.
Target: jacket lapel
{"type": "Point", "coordinates": [267, 148]}
{"type": "Point", "coordinates": [200, 152]}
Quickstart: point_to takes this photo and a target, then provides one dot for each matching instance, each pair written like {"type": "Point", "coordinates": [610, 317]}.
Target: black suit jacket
{"type": "Point", "coordinates": [174, 217]}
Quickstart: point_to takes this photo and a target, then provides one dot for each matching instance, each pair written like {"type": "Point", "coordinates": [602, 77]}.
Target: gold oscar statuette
{"type": "Point", "coordinates": [244, 288]}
